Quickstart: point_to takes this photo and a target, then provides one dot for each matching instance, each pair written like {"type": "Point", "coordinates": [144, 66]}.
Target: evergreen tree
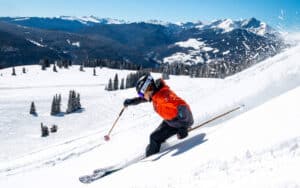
{"type": "Point", "coordinates": [59, 63]}
{"type": "Point", "coordinates": [81, 68]}
{"type": "Point", "coordinates": [116, 82]}
{"type": "Point", "coordinates": [44, 63]}
{"type": "Point", "coordinates": [53, 106]}
{"type": "Point", "coordinates": [54, 68]}
{"type": "Point", "coordinates": [165, 76]}
{"type": "Point", "coordinates": [70, 107]}
{"type": "Point", "coordinates": [110, 85]}
{"type": "Point", "coordinates": [128, 81]}
{"type": "Point", "coordinates": [56, 103]}
{"type": "Point", "coordinates": [54, 128]}
{"type": "Point", "coordinates": [44, 130]}
{"type": "Point", "coordinates": [73, 102]}
{"type": "Point", "coordinates": [66, 64]}
{"type": "Point", "coordinates": [59, 99]}
{"type": "Point", "coordinates": [13, 72]}
{"type": "Point", "coordinates": [78, 101]}
{"type": "Point", "coordinates": [43, 66]}
{"type": "Point", "coordinates": [122, 86]}
{"type": "Point", "coordinates": [32, 109]}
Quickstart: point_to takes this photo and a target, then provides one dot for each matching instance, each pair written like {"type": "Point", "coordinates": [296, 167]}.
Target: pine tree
{"type": "Point", "coordinates": [73, 102]}
{"type": "Point", "coordinates": [54, 68]}
{"type": "Point", "coordinates": [165, 76]}
{"type": "Point", "coordinates": [81, 68]}
{"type": "Point", "coordinates": [59, 63]}
{"type": "Point", "coordinates": [70, 107]}
{"type": "Point", "coordinates": [53, 106]}
{"type": "Point", "coordinates": [65, 64]}
{"type": "Point", "coordinates": [128, 81]}
{"type": "Point", "coordinates": [110, 85]}
{"type": "Point", "coordinates": [44, 63]}
{"type": "Point", "coordinates": [32, 109]}
{"type": "Point", "coordinates": [56, 103]}
{"type": "Point", "coordinates": [122, 86]}
{"type": "Point", "coordinates": [44, 130]}
{"type": "Point", "coordinates": [116, 82]}
{"type": "Point", "coordinates": [13, 72]}
{"type": "Point", "coordinates": [78, 101]}
{"type": "Point", "coordinates": [59, 100]}
{"type": "Point", "coordinates": [54, 128]}
{"type": "Point", "coordinates": [43, 66]}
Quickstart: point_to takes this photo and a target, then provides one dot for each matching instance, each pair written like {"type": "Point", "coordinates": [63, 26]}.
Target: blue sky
{"type": "Point", "coordinates": [278, 13]}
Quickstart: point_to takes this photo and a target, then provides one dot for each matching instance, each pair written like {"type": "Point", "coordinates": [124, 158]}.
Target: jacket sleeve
{"type": "Point", "coordinates": [138, 100]}
{"type": "Point", "coordinates": [184, 118]}
{"type": "Point", "coordinates": [134, 101]}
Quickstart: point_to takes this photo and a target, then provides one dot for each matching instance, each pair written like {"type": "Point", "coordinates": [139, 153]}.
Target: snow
{"type": "Point", "coordinates": [84, 19]}
{"type": "Point", "coordinates": [257, 146]}
{"type": "Point", "coordinates": [36, 43]}
{"type": "Point", "coordinates": [21, 18]}
{"type": "Point", "coordinates": [77, 44]}
{"type": "Point", "coordinates": [191, 43]}
{"type": "Point", "coordinates": [246, 46]}
{"type": "Point", "coordinates": [192, 56]}
{"type": "Point", "coordinates": [189, 58]}
{"type": "Point", "coordinates": [227, 25]}
{"type": "Point", "coordinates": [226, 52]}
{"type": "Point", "coordinates": [92, 19]}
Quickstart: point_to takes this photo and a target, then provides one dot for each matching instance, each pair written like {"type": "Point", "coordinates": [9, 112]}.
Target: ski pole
{"type": "Point", "coordinates": [214, 118]}
{"type": "Point", "coordinates": [106, 137]}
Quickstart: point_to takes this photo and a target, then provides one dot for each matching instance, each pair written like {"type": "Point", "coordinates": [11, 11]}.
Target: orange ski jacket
{"type": "Point", "coordinates": [166, 102]}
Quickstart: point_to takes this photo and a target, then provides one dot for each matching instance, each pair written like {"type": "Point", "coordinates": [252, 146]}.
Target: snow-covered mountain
{"type": "Point", "coordinates": [252, 25]}
{"type": "Point", "coordinates": [257, 146]}
{"type": "Point", "coordinates": [92, 19]}
{"type": "Point", "coordinates": [225, 40]}
{"type": "Point", "coordinates": [87, 20]}
{"type": "Point", "coordinates": [147, 43]}
{"type": "Point", "coordinates": [227, 25]}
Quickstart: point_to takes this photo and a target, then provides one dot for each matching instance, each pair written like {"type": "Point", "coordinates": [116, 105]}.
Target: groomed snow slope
{"type": "Point", "coordinates": [257, 146]}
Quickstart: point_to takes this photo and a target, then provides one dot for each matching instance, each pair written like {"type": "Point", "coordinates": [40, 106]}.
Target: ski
{"type": "Point", "coordinates": [102, 172]}
{"type": "Point", "coordinates": [97, 174]}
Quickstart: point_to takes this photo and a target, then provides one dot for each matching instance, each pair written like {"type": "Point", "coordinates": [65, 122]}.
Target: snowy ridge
{"type": "Point", "coordinates": [92, 19]}
{"type": "Point", "coordinates": [252, 25]}
{"type": "Point", "coordinates": [227, 25]}
{"type": "Point", "coordinates": [255, 147]}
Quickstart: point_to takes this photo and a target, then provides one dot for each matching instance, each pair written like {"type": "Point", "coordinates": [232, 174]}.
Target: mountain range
{"type": "Point", "coordinates": [26, 40]}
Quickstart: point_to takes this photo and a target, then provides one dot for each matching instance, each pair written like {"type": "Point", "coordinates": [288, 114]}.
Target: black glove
{"type": "Point", "coordinates": [133, 101]}
{"type": "Point", "coordinates": [127, 102]}
{"type": "Point", "coordinates": [182, 132]}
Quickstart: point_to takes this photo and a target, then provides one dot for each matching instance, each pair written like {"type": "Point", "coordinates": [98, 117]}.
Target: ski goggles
{"type": "Point", "coordinates": [142, 91]}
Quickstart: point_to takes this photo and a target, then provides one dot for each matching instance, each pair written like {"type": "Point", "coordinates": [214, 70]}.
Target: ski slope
{"type": "Point", "coordinates": [257, 146]}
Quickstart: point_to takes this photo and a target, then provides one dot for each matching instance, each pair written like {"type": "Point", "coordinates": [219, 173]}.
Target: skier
{"type": "Point", "coordinates": [176, 113]}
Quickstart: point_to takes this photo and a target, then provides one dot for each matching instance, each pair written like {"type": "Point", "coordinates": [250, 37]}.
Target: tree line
{"type": "Point", "coordinates": [219, 68]}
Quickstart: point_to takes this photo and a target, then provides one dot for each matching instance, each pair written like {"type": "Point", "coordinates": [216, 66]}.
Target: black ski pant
{"type": "Point", "coordinates": [160, 135]}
